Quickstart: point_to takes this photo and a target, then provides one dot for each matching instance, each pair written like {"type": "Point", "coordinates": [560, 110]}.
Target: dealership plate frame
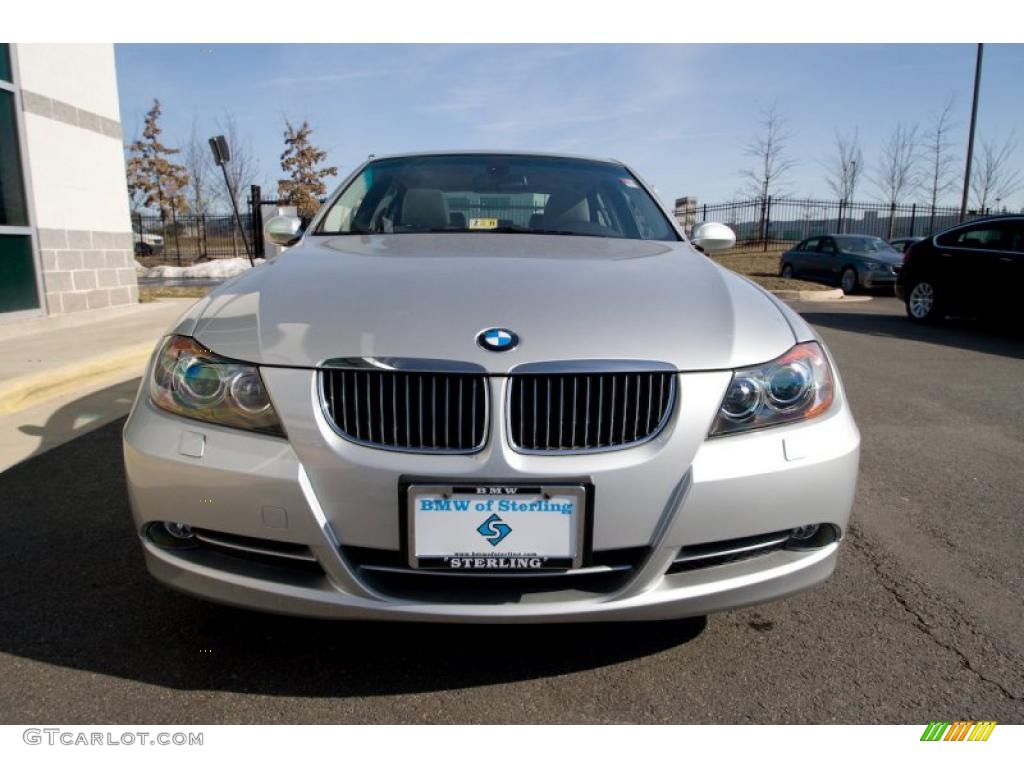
{"type": "Point", "coordinates": [583, 489]}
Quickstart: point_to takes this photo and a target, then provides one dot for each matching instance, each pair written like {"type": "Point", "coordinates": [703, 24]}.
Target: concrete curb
{"type": "Point", "coordinates": [25, 391]}
{"type": "Point", "coordinates": [835, 294]}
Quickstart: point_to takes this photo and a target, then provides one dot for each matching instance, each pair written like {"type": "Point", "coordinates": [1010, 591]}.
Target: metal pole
{"type": "Point", "coordinates": [256, 218]}
{"type": "Point", "coordinates": [970, 135]}
{"type": "Point", "coordinates": [767, 221]}
{"type": "Point", "coordinates": [238, 218]}
{"type": "Point", "coordinates": [174, 225]}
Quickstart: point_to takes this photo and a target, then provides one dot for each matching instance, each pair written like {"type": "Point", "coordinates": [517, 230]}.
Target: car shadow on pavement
{"type": "Point", "coordinates": [81, 416]}
{"type": "Point", "coordinates": [76, 594]}
{"type": "Point", "coordinates": [988, 337]}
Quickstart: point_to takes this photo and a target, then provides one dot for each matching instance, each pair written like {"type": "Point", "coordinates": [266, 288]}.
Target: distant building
{"type": "Point", "coordinates": [686, 212]}
{"type": "Point", "coordinates": [65, 228]}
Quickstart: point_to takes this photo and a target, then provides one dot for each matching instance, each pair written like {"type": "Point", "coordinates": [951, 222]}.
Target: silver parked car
{"type": "Point", "coordinates": [491, 387]}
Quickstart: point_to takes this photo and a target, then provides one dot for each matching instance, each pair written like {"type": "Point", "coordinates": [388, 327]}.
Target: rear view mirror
{"type": "Point", "coordinates": [712, 236]}
{"type": "Point", "coordinates": [283, 230]}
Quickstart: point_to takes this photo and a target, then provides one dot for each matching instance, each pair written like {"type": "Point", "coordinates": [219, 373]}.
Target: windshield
{"type": "Point", "coordinates": [864, 245]}
{"type": "Point", "coordinates": [496, 193]}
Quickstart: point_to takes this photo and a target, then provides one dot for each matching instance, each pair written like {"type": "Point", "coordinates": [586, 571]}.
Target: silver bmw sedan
{"type": "Point", "coordinates": [491, 387]}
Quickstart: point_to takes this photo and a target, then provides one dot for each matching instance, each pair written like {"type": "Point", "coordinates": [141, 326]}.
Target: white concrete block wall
{"type": "Point", "coordinates": [75, 167]}
{"type": "Point", "coordinates": [81, 74]}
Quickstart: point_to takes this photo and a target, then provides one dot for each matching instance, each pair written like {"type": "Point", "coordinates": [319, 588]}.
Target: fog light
{"type": "Point", "coordinates": [812, 536]}
{"type": "Point", "coordinates": [803, 533]}
{"type": "Point", "coordinates": [171, 535]}
{"type": "Point", "coordinates": [183, 531]}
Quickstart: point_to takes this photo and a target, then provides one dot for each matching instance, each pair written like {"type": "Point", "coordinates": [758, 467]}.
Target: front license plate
{"type": "Point", "coordinates": [496, 528]}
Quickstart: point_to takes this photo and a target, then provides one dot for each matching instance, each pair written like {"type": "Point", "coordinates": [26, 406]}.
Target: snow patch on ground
{"type": "Point", "coordinates": [216, 268]}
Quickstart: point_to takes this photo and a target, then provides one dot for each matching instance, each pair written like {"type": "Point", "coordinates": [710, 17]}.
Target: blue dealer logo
{"type": "Point", "coordinates": [494, 529]}
{"type": "Point", "coordinates": [497, 339]}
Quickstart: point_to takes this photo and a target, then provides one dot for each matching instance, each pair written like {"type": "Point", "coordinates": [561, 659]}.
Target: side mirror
{"type": "Point", "coordinates": [712, 236]}
{"type": "Point", "coordinates": [283, 230]}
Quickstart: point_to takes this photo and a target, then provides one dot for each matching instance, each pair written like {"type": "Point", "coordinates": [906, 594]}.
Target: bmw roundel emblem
{"type": "Point", "coordinates": [497, 339]}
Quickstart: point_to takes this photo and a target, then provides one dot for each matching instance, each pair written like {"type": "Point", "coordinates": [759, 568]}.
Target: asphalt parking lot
{"type": "Point", "coordinates": [923, 620]}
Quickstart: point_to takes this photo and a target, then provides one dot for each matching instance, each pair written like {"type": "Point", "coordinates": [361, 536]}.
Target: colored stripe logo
{"type": "Point", "coordinates": [959, 730]}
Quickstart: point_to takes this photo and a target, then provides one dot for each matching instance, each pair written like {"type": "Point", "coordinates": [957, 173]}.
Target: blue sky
{"type": "Point", "coordinates": [679, 114]}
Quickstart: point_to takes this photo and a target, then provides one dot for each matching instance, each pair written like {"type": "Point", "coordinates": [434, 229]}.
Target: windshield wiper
{"type": "Point", "coordinates": [506, 229]}
{"type": "Point", "coordinates": [520, 230]}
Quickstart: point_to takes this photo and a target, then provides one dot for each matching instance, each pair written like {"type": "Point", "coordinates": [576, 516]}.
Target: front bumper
{"type": "Point", "coordinates": [323, 493]}
{"type": "Point", "coordinates": [883, 279]}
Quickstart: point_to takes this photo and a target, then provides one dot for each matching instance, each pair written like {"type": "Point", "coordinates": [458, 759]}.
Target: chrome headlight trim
{"type": "Point", "coordinates": [779, 402]}
{"type": "Point", "coordinates": [181, 361]}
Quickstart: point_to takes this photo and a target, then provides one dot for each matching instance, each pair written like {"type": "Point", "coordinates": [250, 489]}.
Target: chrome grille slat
{"type": "Point", "coordinates": [401, 410]}
{"type": "Point", "coordinates": [650, 403]}
{"type": "Point", "coordinates": [420, 411]}
{"type": "Point", "coordinates": [369, 408]}
{"type": "Point", "coordinates": [344, 406]}
{"type": "Point", "coordinates": [394, 410]}
{"type": "Point", "coordinates": [575, 392]}
{"type": "Point", "coordinates": [626, 402]}
{"type": "Point", "coordinates": [380, 406]}
{"type": "Point", "coordinates": [547, 436]}
{"type": "Point", "coordinates": [561, 410]}
{"type": "Point", "coordinates": [611, 419]}
{"type": "Point", "coordinates": [586, 414]}
{"type": "Point", "coordinates": [570, 415]}
{"type": "Point", "coordinates": [636, 415]}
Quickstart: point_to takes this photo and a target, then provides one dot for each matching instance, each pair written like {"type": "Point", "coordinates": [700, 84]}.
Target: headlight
{"type": "Point", "coordinates": [873, 266]}
{"type": "Point", "coordinates": [794, 387]}
{"type": "Point", "coordinates": [192, 381]}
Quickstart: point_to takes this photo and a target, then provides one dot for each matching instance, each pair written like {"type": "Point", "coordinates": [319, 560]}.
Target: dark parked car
{"type": "Point", "coordinates": [973, 268]}
{"type": "Point", "coordinates": [851, 261]}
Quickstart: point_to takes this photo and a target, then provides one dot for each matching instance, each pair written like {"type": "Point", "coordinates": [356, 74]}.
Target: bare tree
{"type": "Point", "coordinates": [993, 180]}
{"type": "Point", "coordinates": [771, 159]}
{"type": "Point", "coordinates": [845, 167]}
{"type": "Point", "coordinates": [243, 168]}
{"type": "Point", "coordinates": [199, 163]}
{"type": "Point", "coordinates": [896, 173]}
{"type": "Point", "coordinates": [771, 162]}
{"type": "Point", "coordinates": [939, 175]}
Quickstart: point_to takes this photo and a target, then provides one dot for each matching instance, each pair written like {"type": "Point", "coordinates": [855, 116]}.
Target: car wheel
{"type": "Point", "coordinates": [923, 302]}
{"type": "Point", "coordinates": [787, 271]}
{"type": "Point", "coordinates": [848, 282]}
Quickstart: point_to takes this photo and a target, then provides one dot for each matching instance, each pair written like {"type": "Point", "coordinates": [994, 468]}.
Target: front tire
{"type": "Point", "coordinates": [848, 281]}
{"type": "Point", "coordinates": [923, 302]}
{"type": "Point", "coordinates": [787, 271]}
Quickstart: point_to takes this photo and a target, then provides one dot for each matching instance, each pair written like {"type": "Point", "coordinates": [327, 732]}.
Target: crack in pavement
{"type": "Point", "coordinates": [859, 543]}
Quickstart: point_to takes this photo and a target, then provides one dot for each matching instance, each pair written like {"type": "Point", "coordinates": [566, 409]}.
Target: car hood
{"type": "Point", "coordinates": [429, 296]}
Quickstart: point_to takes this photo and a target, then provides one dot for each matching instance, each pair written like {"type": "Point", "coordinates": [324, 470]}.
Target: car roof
{"type": "Point", "coordinates": [845, 234]}
{"type": "Point", "coordinates": [990, 217]}
{"type": "Point", "coordinates": [515, 152]}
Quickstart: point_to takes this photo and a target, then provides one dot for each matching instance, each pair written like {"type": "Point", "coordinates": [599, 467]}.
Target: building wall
{"type": "Point", "coordinates": [76, 174]}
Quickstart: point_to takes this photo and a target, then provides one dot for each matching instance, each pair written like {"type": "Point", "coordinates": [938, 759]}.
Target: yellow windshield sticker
{"type": "Point", "coordinates": [483, 223]}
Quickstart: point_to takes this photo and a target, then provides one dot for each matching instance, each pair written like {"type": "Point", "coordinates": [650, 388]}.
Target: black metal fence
{"type": "Point", "coordinates": [763, 223]}
{"type": "Point", "coordinates": [186, 238]}
{"type": "Point", "coordinates": [759, 224]}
